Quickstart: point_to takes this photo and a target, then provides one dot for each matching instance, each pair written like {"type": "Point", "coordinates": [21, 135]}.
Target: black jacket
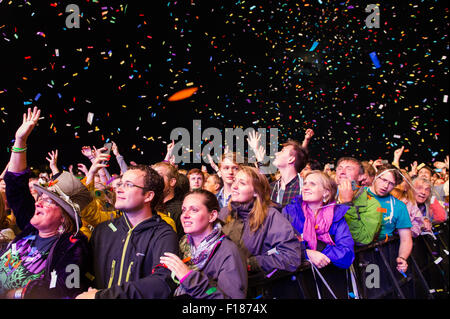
{"type": "Point", "coordinates": [124, 257]}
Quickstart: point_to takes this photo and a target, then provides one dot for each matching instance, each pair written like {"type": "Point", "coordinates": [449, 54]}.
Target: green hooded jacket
{"type": "Point", "coordinates": [364, 217]}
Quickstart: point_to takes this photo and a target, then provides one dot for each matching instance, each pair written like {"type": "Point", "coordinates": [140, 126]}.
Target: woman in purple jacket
{"type": "Point", "coordinates": [326, 239]}
{"type": "Point", "coordinates": [320, 222]}
{"type": "Point", "coordinates": [214, 268]}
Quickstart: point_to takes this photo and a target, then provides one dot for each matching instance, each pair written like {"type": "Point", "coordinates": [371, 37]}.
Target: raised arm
{"type": "Point", "coordinates": [18, 160]}
{"type": "Point", "coordinates": [397, 154]}
{"type": "Point", "coordinates": [53, 161]}
{"type": "Point", "coordinates": [308, 135]}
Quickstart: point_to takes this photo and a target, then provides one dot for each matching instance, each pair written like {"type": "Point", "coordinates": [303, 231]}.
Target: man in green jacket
{"type": "Point", "coordinates": [365, 213]}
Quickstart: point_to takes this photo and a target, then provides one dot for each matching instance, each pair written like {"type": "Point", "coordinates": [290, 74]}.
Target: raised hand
{"type": "Point", "coordinates": [88, 152]}
{"type": "Point", "coordinates": [99, 162]}
{"type": "Point", "coordinates": [83, 168]}
{"type": "Point", "coordinates": [413, 171]}
{"type": "Point", "coordinates": [53, 161]}
{"type": "Point", "coordinates": [308, 135]}
{"type": "Point", "coordinates": [30, 120]}
{"type": "Point", "coordinates": [115, 149]}
{"type": "Point", "coordinates": [211, 162]}
{"type": "Point", "coordinates": [398, 153]}
{"type": "Point", "coordinates": [169, 150]}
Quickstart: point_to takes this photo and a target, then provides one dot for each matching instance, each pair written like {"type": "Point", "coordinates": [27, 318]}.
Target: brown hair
{"type": "Point", "coordinates": [152, 182]}
{"type": "Point", "coordinates": [354, 160]}
{"type": "Point", "coordinates": [172, 170]}
{"type": "Point", "coordinates": [368, 168]}
{"type": "Point", "coordinates": [196, 171]}
{"type": "Point", "coordinates": [262, 200]}
{"type": "Point", "coordinates": [300, 153]}
{"type": "Point", "coordinates": [397, 176]}
{"type": "Point", "coordinates": [408, 193]}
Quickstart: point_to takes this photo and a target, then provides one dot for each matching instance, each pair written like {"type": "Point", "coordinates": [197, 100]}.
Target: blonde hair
{"type": "Point", "coordinates": [408, 193]}
{"type": "Point", "coordinates": [262, 200]}
{"type": "Point", "coordinates": [327, 183]}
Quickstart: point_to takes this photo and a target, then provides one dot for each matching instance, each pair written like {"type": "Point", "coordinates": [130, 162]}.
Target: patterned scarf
{"type": "Point", "coordinates": [201, 254]}
{"type": "Point", "coordinates": [317, 228]}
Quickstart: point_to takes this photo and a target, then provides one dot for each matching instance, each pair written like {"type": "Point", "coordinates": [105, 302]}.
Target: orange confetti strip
{"type": "Point", "coordinates": [183, 94]}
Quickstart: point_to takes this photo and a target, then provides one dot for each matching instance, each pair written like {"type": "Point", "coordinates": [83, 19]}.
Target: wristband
{"type": "Point", "coordinates": [18, 149]}
{"type": "Point", "coordinates": [403, 259]}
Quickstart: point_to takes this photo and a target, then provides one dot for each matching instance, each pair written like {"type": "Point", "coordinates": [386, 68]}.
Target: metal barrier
{"type": "Point", "coordinates": [373, 274]}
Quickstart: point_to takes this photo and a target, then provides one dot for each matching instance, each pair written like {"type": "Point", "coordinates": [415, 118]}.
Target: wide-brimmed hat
{"type": "Point", "coordinates": [69, 193]}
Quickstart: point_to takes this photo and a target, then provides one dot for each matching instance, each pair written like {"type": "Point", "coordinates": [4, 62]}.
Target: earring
{"type": "Point", "coordinates": [324, 199]}
{"type": "Point", "coordinates": [61, 229]}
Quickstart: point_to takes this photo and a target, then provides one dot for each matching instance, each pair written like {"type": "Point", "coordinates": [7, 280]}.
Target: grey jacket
{"type": "Point", "coordinates": [224, 276]}
{"type": "Point", "coordinates": [273, 246]}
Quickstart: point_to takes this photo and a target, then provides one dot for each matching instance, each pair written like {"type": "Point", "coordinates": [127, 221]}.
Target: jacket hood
{"type": "Point", "coordinates": [339, 210]}
{"type": "Point", "coordinates": [124, 223]}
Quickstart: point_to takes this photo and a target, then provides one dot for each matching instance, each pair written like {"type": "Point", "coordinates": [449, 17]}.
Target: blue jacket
{"type": "Point", "coordinates": [342, 253]}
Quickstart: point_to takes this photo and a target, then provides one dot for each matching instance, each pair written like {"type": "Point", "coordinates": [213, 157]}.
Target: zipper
{"type": "Point", "coordinates": [128, 272]}
{"type": "Point", "coordinates": [111, 278]}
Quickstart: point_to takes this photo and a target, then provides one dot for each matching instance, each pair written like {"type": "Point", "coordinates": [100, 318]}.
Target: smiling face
{"type": "Point", "coordinates": [130, 196]}
{"type": "Point", "coordinates": [242, 190]}
{"type": "Point", "coordinates": [313, 190]}
{"type": "Point", "coordinates": [196, 219]}
{"type": "Point", "coordinates": [48, 215]}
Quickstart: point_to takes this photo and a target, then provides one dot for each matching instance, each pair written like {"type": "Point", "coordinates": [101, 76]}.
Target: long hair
{"type": "Point", "coordinates": [262, 199]}
{"type": "Point", "coordinates": [406, 192]}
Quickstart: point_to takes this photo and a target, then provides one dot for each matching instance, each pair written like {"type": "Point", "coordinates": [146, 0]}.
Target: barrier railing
{"type": "Point", "coordinates": [373, 274]}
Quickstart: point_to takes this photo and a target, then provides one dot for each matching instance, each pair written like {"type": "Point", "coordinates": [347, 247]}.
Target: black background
{"type": "Point", "coordinates": [251, 63]}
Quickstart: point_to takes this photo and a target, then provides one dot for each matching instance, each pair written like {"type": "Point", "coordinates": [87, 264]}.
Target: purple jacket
{"type": "Point", "coordinates": [272, 246]}
{"type": "Point", "coordinates": [342, 253]}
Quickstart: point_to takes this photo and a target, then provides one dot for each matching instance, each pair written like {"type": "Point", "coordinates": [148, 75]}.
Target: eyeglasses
{"type": "Point", "coordinates": [46, 201]}
{"type": "Point", "coordinates": [389, 183]}
{"type": "Point", "coordinates": [128, 185]}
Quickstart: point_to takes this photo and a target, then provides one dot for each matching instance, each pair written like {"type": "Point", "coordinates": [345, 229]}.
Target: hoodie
{"type": "Point", "coordinates": [126, 259]}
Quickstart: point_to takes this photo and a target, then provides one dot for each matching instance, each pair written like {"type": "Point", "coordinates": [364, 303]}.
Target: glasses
{"type": "Point", "coordinates": [389, 183]}
{"type": "Point", "coordinates": [46, 201]}
{"type": "Point", "coordinates": [128, 185]}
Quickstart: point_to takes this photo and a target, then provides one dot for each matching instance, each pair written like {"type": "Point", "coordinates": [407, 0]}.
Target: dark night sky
{"type": "Point", "coordinates": [251, 61]}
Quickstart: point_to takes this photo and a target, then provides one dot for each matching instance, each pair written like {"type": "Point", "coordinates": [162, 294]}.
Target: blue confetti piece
{"type": "Point", "coordinates": [37, 96]}
{"type": "Point", "coordinates": [315, 44]}
{"type": "Point", "coordinates": [376, 62]}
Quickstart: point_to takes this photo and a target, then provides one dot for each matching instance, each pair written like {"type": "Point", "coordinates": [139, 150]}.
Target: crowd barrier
{"type": "Point", "coordinates": [373, 274]}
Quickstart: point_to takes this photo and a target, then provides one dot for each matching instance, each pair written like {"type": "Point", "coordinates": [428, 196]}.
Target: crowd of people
{"type": "Point", "coordinates": [154, 230]}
